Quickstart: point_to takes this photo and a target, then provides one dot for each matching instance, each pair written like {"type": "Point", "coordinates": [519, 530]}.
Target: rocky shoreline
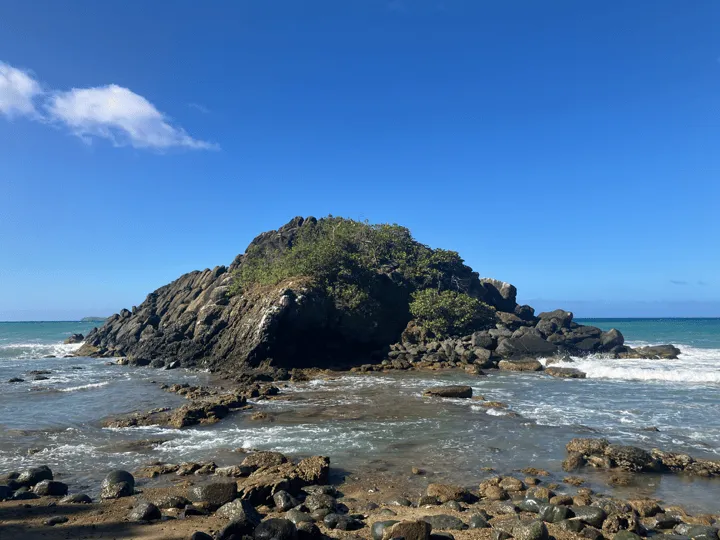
{"type": "Point", "coordinates": [269, 495]}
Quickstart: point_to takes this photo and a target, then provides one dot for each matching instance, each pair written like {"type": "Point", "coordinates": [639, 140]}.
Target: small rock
{"type": "Point", "coordinates": [377, 529]}
{"type": "Point", "coordinates": [297, 517]}
{"type": "Point", "coordinates": [56, 520]}
{"type": "Point", "coordinates": [478, 521]}
{"type": "Point", "coordinates": [342, 522]}
{"type": "Point", "coordinates": [409, 530]}
{"type": "Point", "coordinates": [238, 509]}
{"type": "Point", "coordinates": [589, 514]}
{"type": "Point", "coordinates": [215, 494]}
{"type": "Point", "coordinates": [532, 531]}
{"type": "Point", "coordinates": [50, 488]}
{"type": "Point", "coordinates": [145, 511]}
{"type": "Point", "coordinates": [573, 525]}
{"type": "Point", "coordinates": [284, 501]}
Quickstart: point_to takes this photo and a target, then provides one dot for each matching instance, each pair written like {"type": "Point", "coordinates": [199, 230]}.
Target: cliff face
{"type": "Point", "coordinates": [194, 321]}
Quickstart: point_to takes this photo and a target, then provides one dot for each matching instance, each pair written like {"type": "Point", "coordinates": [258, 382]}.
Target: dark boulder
{"type": "Point", "coordinates": [74, 338]}
{"type": "Point", "coordinates": [276, 529]}
{"type": "Point", "coordinates": [531, 531]}
{"type": "Point", "coordinates": [611, 339]}
{"type": "Point", "coordinates": [590, 514]}
{"type": "Point", "coordinates": [630, 458]}
{"type": "Point", "coordinates": [145, 511]}
{"type": "Point", "coordinates": [235, 530]}
{"type": "Point", "coordinates": [529, 364]}
{"type": "Point", "coordinates": [50, 488]}
{"type": "Point", "coordinates": [559, 317]}
{"type": "Point", "coordinates": [308, 531]}
{"type": "Point", "coordinates": [525, 345]}
{"type": "Point", "coordinates": [32, 476]}
{"type": "Point", "coordinates": [449, 391]}
{"type": "Point", "coordinates": [117, 484]}
{"type": "Point", "coordinates": [284, 501]}
{"type": "Point", "coordinates": [237, 509]}
{"type": "Point", "coordinates": [5, 492]}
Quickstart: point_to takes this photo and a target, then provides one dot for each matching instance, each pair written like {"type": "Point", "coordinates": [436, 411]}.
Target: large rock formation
{"type": "Point", "coordinates": [196, 321]}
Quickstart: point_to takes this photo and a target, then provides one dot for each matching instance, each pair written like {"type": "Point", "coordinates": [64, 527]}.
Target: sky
{"type": "Point", "coordinates": [570, 148]}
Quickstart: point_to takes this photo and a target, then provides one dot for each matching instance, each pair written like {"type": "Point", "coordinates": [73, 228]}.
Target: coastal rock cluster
{"type": "Point", "coordinates": [600, 453]}
{"type": "Point", "coordinates": [268, 496]}
{"type": "Point", "coordinates": [200, 320]}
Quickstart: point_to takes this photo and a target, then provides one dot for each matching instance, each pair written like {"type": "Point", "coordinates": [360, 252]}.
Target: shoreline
{"type": "Point", "coordinates": [358, 485]}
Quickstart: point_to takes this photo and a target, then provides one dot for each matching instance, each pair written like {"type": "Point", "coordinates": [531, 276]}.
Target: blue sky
{"type": "Point", "coordinates": [568, 147]}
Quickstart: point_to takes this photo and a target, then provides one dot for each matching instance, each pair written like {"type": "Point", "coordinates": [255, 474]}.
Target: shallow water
{"type": "Point", "coordinates": [371, 423]}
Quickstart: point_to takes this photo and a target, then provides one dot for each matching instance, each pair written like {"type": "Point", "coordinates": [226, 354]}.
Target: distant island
{"type": "Point", "coordinates": [93, 319]}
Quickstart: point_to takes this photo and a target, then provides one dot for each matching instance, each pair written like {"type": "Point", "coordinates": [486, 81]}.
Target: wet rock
{"type": "Point", "coordinates": [235, 530]}
{"type": "Point", "coordinates": [532, 531]}
{"type": "Point", "coordinates": [574, 480]}
{"type": "Point", "coordinates": [447, 492]}
{"type": "Point", "coordinates": [520, 365]}
{"type": "Point", "coordinates": [662, 521]}
{"type": "Point", "coordinates": [530, 505]}
{"type": "Point", "coordinates": [145, 511]}
{"type": "Point", "coordinates": [457, 392]}
{"type": "Point", "coordinates": [56, 520]}
{"type": "Point", "coordinates": [284, 501]}
{"type": "Point", "coordinates": [215, 494]}
{"type": "Point", "coordinates": [116, 484]}
{"type": "Point", "coordinates": [645, 507]}
{"type": "Point", "coordinates": [377, 530]}
{"type": "Point", "coordinates": [320, 514]}
{"type": "Point", "coordinates": [308, 531]}
{"type": "Point", "coordinates": [409, 530]}
{"type": "Point", "coordinates": [589, 514]}
{"type": "Point", "coordinates": [665, 352]}
{"type": "Point", "coordinates": [573, 525]}
{"type": "Point", "coordinates": [276, 529]}
{"type": "Point", "coordinates": [562, 500]}
{"type": "Point", "coordinates": [565, 372]}
{"type": "Point", "coordinates": [445, 522]}
{"type": "Point", "coordinates": [587, 447]}
{"type": "Point", "coordinates": [478, 521]}
{"type": "Point", "coordinates": [32, 476]}
{"type": "Point", "coordinates": [16, 380]}
{"type": "Point", "coordinates": [23, 494]}
{"type": "Point", "coordinates": [74, 338]}
{"type": "Point", "coordinates": [342, 522]}
{"type": "Point", "coordinates": [629, 458]}
{"type": "Point", "coordinates": [239, 510]}
{"type": "Point", "coordinates": [207, 468]}
{"type": "Point", "coordinates": [554, 514]}
{"type": "Point", "coordinates": [698, 532]}
{"type": "Point", "coordinates": [50, 488]}
{"type": "Point", "coordinates": [297, 517]}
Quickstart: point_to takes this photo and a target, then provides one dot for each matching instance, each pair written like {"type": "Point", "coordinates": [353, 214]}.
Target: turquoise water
{"type": "Point", "coordinates": [701, 333]}
{"type": "Point", "coordinates": [377, 421]}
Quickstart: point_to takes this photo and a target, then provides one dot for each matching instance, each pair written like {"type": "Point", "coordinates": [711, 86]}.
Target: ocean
{"type": "Point", "coordinates": [377, 423]}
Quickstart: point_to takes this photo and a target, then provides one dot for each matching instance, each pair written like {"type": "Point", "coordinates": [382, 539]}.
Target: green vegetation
{"type": "Point", "coordinates": [359, 264]}
{"type": "Point", "coordinates": [447, 313]}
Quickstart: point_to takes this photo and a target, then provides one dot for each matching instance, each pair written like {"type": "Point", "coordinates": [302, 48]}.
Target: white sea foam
{"type": "Point", "coordinates": [25, 351]}
{"type": "Point", "coordinates": [694, 366]}
{"type": "Point", "coordinates": [84, 386]}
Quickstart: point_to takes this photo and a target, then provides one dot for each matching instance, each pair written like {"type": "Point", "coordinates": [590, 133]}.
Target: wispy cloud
{"type": "Point", "coordinates": [678, 282]}
{"type": "Point", "coordinates": [18, 89]}
{"type": "Point", "coordinates": [109, 112]}
{"type": "Point", "coordinates": [703, 283]}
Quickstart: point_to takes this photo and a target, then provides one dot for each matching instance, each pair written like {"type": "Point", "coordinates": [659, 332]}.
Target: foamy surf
{"type": "Point", "coordinates": [84, 387]}
{"type": "Point", "coordinates": [694, 366]}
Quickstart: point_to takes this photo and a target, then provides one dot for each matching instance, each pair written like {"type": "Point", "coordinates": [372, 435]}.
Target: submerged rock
{"type": "Point", "coordinates": [463, 392]}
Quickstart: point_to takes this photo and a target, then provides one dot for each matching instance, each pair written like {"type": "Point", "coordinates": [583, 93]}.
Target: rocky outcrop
{"type": "Point", "coordinates": [196, 321]}
{"type": "Point", "coordinates": [601, 454]}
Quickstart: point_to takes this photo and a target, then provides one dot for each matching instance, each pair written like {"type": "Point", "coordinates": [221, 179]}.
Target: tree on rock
{"type": "Point", "coordinates": [448, 313]}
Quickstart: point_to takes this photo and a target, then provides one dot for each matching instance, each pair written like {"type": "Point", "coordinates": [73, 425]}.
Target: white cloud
{"type": "Point", "coordinates": [110, 112]}
{"type": "Point", "coordinates": [17, 91]}
{"type": "Point", "coordinates": [118, 114]}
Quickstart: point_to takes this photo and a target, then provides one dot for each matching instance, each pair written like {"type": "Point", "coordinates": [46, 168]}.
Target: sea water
{"type": "Point", "coordinates": [378, 422]}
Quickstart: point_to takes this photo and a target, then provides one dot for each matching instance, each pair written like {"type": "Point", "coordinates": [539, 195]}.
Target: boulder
{"type": "Point", "coordinates": [116, 484]}
{"type": "Point", "coordinates": [552, 513]}
{"type": "Point", "coordinates": [284, 501]}
{"type": "Point", "coordinates": [74, 338]}
{"type": "Point", "coordinates": [342, 522]}
{"type": "Point", "coordinates": [235, 530]}
{"type": "Point", "coordinates": [145, 511]}
{"type": "Point", "coordinates": [263, 460]}
{"type": "Point", "coordinates": [409, 530]}
{"type": "Point", "coordinates": [450, 392]}
{"type": "Point", "coordinates": [377, 530]}
{"type": "Point", "coordinates": [611, 339]}
{"type": "Point", "coordinates": [589, 514]}
{"type": "Point", "coordinates": [662, 352]}
{"type": "Point", "coordinates": [629, 458]}
{"type": "Point", "coordinates": [215, 494]}
{"type": "Point", "coordinates": [50, 488]}
{"type": "Point", "coordinates": [276, 529]}
{"type": "Point", "coordinates": [308, 531]}
{"type": "Point", "coordinates": [531, 531]}
{"type": "Point", "coordinates": [447, 492]}
{"type": "Point", "coordinates": [239, 509]}
{"type": "Point", "coordinates": [32, 476]}
{"type": "Point", "coordinates": [526, 345]}
{"type": "Point", "coordinates": [565, 373]}
{"type": "Point", "coordinates": [559, 317]}
{"type": "Point", "coordinates": [587, 447]}
{"type": "Point", "coordinates": [520, 365]}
